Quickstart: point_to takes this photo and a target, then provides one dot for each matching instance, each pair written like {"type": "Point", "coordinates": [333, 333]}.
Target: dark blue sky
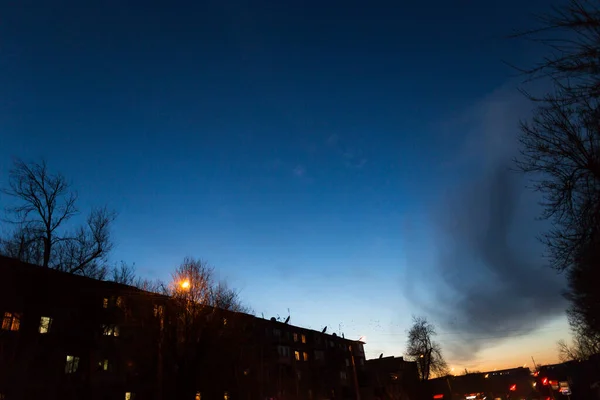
{"type": "Point", "coordinates": [289, 143]}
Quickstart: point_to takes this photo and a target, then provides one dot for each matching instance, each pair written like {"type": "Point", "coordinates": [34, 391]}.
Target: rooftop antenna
{"type": "Point", "coordinates": [324, 329]}
{"type": "Point", "coordinates": [534, 364]}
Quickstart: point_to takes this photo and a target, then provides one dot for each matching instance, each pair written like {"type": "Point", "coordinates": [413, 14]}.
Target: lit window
{"type": "Point", "coordinates": [105, 302]}
{"type": "Point", "coordinates": [198, 396]}
{"type": "Point", "coordinates": [158, 310]}
{"type": "Point", "coordinates": [120, 302]}
{"type": "Point", "coordinates": [295, 337]}
{"type": "Point", "coordinates": [11, 321]}
{"type": "Point", "coordinates": [129, 395]}
{"type": "Point", "coordinates": [303, 339]}
{"type": "Point", "coordinates": [226, 396]}
{"type": "Point", "coordinates": [305, 356]}
{"type": "Point", "coordinates": [45, 323]}
{"type": "Point", "coordinates": [297, 355]}
{"type": "Point", "coordinates": [110, 330]}
{"type": "Point", "coordinates": [103, 365]}
{"type": "Point", "coordinates": [71, 365]}
{"type": "Point", "coordinates": [224, 321]}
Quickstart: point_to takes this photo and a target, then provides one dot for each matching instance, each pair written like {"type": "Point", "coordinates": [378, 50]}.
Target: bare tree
{"type": "Point", "coordinates": [561, 150]}
{"type": "Point", "coordinates": [582, 348]}
{"type": "Point", "coordinates": [44, 205]}
{"type": "Point", "coordinates": [424, 350]}
{"type": "Point", "coordinates": [205, 316]}
{"type": "Point", "coordinates": [124, 274]}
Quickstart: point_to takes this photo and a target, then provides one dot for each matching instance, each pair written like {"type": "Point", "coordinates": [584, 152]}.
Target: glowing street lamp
{"type": "Point", "coordinates": [185, 285]}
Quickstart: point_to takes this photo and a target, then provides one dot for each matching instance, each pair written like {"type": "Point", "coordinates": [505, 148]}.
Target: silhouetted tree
{"type": "Point", "coordinates": [582, 347]}
{"type": "Point", "coordinates": [422, 349]}
{"type": "Point", "coordinates": [125, 274]}
{"type": "Point", "coordinates": [561, 151]}
{"type": "Point", "coordinates": [205, 331]}
{"type": "Point", "coordinates": [44, 205]}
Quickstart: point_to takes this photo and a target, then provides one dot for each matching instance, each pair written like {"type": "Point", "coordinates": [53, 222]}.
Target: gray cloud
{"type": "Point", "coordinates": [488, 279]}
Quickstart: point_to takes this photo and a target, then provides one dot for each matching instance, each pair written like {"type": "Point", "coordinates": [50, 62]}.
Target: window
{"type": "Point", "coordinates": [361, 349]}
{"type": "Point", "coordinates": [198, 396]}
{"type": "Point", "coordinates": [317, 339]}
{"type": "Point", "coordinates": [226, 396]}
{"type": "Point", "coordinates": [276, 332]}
{"type": "Point", "coordinates": [283, 351]}
{"type": "Point", "coordinates": [297, 355]}
{"type": "Point", "coordinates": [110, 330]}
{"type": "Point", "coordinates": [319, 355]}
{"type": "Point", "coordinates": [103, 365]}
{"type": "Point", "coordinates": [105, 302]}
{"type": "Point", "coordinates": [224, 321]}
{"type": "Point", "coordinates": [303, 339]}
{"type": "Point", "coordinates": [71, 365]}
{"type": "Point", "coordinates": [347, 362]}
{"type": "Point", "coordinates": [45, 323]}
{"type": "Point", "coordinates": [295, 337]}
{"type": "Point", "coordinates": [120, 302]}
{"type": "Point", "coordinates": [129, 395]}
{"type": "Point", "coordinates": [343, 375]}
{"type": "Point", "coordinates": [11, 321]}
{"type": "Point", "coordinates": [361, 362]}
{"type": "Point", "coordinates": [305, 356]}
{"type": "Point", "coordinates": [158, 310]}
{"type": "Point", "coordinates": [331, 344]}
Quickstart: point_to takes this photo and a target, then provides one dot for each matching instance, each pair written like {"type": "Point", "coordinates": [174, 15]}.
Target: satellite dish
{"type": "Point", "coordinates": [273, 319]}
{"type": "Point", "coordinates": [381, 355]}
{"type": "Point", "coordinates": [287, 319]}
{"type": "Point", "coordinates": [333, 334]}
{"type": "Point", "coordinates": [324, 329]}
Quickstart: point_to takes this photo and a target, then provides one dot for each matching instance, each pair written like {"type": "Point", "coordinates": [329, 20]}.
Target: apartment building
{"type": "Point", "coordinates": [65, 336]}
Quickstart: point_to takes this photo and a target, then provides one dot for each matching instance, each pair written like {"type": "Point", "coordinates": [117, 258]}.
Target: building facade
{"type": "Point", "coordinates": [391, 378]}
{"type": "Point", "coordinates": [65, 336]}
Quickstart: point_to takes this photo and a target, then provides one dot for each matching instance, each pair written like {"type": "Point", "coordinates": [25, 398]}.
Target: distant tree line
{"type": "Point", "coordinates": [561, 153]}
